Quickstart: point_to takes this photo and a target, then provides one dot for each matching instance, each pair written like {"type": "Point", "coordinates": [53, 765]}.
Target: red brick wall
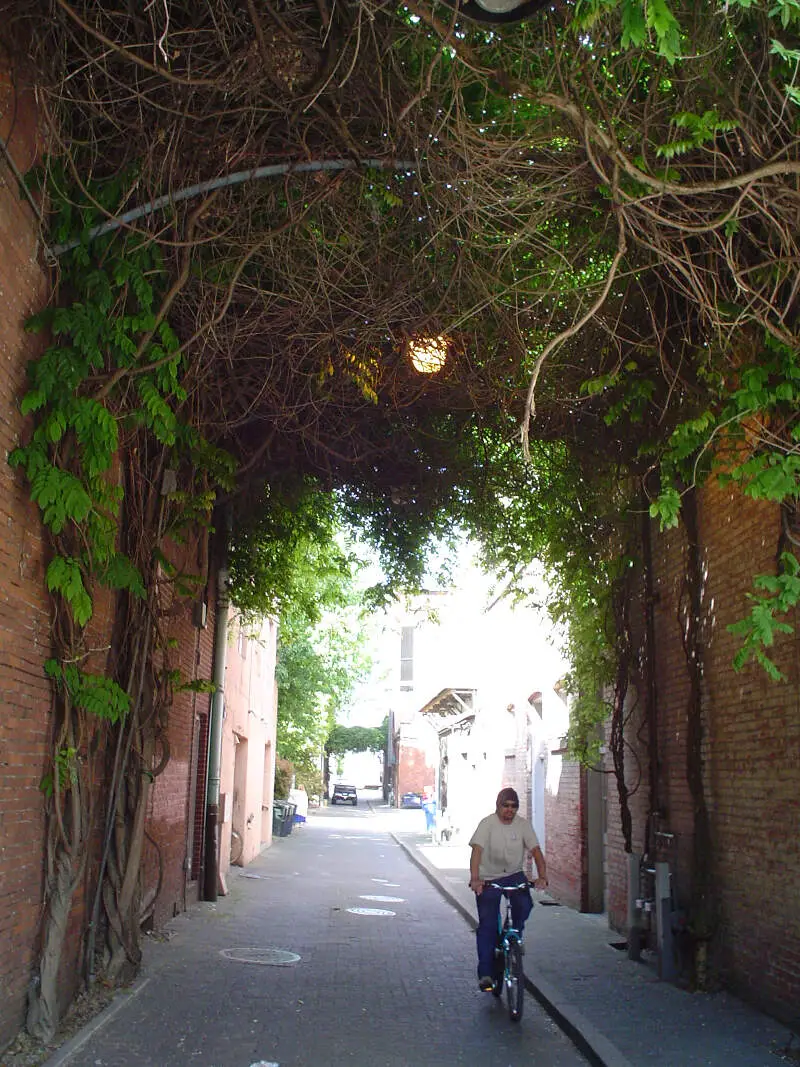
{"type": "Point", "coordinates": [414, 772]}
{"type": "Point", "coordinates": [564, 845]}
{"type": "Point", "coordinates": [751, 755]}
{"type": "Point", "coordinates": [24, 610]}
{"type": "Point", "coordinates": [24, 639]}
{"type": "Point", "coordinates": [177, 797]}
{"type": "Point", "coordinates": [753, 783]}
{"type": "Point", "coordinates": [170, 796]}
{"type": "Point", "coordinates": [175, 811]}
{"type": "Point", "coordinates": [199, 778]}
{"type": "Point", "coordinates": [637, 783]}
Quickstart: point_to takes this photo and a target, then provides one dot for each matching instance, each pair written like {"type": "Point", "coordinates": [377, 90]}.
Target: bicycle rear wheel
{"type": "Point", "coordinates": [515, 982]}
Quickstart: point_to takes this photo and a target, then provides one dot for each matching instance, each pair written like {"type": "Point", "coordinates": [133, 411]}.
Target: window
{"type": "Point", "coordinates": [407, 658]}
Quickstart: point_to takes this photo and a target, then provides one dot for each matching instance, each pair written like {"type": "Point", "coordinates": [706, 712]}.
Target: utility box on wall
{"type": "Point", "coordinates": [225, 807]}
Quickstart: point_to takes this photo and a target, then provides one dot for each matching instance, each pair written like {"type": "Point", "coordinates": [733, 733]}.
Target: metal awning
{"type": "Point", "coordinates": [450, 702]}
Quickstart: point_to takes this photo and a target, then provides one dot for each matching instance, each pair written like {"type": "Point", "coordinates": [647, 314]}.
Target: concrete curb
{"type": "Point", "coordinates": [120, 1001]}
{"type": "Point", "coordinates": [595, 1046]}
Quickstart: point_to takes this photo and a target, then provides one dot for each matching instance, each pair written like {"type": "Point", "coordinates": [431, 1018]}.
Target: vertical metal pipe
{"type": "Point", "coordinates": [635, 922]}
{"type": "Point", "coordinates": [211, 879]}
{"type": "Point", "coordinates": [651, 690]}
{"type": "Point", "coordinates": [667, 969]}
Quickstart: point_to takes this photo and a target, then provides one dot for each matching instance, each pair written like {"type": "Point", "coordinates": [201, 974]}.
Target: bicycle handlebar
{"type": "Point", "coordinates": [522, 885]}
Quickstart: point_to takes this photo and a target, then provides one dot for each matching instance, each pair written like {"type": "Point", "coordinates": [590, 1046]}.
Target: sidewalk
{"type": "Point", "coordinates": [617, 1011]}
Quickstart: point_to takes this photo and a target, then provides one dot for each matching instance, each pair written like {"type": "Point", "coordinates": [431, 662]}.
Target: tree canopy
{"type": "Point", "coordinates": [343, 739]}
{"type": "Point", "coordinates": [294, 563]}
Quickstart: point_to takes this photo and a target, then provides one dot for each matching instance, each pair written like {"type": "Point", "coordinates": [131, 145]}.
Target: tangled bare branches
{"type": "Point", "coordinates": [532, 151]}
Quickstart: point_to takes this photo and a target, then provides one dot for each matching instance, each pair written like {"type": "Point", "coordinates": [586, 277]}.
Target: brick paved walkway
{"type": "Point", "coordinates": [369, 990]}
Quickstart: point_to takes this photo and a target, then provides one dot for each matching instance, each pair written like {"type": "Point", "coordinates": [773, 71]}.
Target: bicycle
{"type": "Point", "coordinates": [508, 973]}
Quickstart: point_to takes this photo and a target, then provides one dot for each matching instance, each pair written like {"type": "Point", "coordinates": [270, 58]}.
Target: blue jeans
{"type": "Point", "coordinates": [488, 911]}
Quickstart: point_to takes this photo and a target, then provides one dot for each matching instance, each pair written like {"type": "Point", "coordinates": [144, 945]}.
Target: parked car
{"type": "Point", "coordinates": [346, 793]}
{"type": "Point", "coordinates": [411, 800]}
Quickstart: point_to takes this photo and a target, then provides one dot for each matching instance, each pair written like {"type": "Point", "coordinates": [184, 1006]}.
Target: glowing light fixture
{"type": "Point", "coordinates": [498, 10]}
{"type": "Point", "coordinates": [428, 354]}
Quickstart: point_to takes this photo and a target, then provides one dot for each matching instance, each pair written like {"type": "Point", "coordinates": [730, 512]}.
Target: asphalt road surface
{"type": "Point", "coordinates": [385, 974]}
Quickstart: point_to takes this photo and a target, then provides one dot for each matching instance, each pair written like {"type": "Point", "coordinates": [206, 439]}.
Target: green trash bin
{"type": "Point", "coordinates": [288, 821]}
{"type": "Point", "coordinates": [282, 818]}
{"type": "Point", "coordinates": [278, 817]}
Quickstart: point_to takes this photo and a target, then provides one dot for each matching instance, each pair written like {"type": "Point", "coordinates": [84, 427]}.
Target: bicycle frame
{"type": "Point", "coordinates": [506, 933]}
{"type": "Point", "coordinates": [510, 946]}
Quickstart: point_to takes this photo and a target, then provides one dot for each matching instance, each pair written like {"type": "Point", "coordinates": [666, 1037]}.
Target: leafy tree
{"type": "Point", "coordinates": [343, 739]}
{"type": "Point", "coordinates": [290, 559]}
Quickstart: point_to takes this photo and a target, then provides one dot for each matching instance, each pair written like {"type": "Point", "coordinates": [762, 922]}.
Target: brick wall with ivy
{"type": "Point", "coordinates": [24, 612]}
{"type": "Point", "coordinates": [750, 757]}
{"type": "Point", "coordinates": [753, 759]}
{"type": "Point", "coordinates": [637, 783]}
{"type": "Point", "coordinates": [25, 695]}
{"type": "Point", "coordinates": [173, 801]}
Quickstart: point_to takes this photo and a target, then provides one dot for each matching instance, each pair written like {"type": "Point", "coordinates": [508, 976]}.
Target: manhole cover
{"type": "Point", "coordinates": [267, 957]}
{"type": "Point", "coordinates": [369, 911]}
{"type": "Point", "coordinates": [384, 900]}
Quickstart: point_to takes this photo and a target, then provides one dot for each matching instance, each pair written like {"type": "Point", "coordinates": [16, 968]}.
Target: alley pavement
{"type": "Point", "coordinates": [380, 972]}
{"type": "Point", "coordinates": [331, 949]}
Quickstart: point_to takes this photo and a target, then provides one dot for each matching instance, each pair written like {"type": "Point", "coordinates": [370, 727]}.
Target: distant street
{"type": "Point", "coordinates": [385, 975]}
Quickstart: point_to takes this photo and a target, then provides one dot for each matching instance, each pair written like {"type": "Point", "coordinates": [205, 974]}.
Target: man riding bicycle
{"type": "Point", "coordinates": [499, 847]}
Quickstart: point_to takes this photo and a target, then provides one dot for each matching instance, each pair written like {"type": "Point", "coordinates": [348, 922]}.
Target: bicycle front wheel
{"type": "Point", "coordinates": [515, 982]}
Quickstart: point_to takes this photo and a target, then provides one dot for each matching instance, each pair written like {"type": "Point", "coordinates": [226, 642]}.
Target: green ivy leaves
{"type": "Point", "coordinates": [639, 21]}
{"type": "Point", "coordinates": [64, 576]}
{"type": "Point", "coordinates": [60, 495]}
{"type": "Point", "coordinates": [758, 630]}
{"type": "Point", "coordinates": [755, 434]}
{"type": "Point", "coordinates": [82, 400]}
{"type": "Point", "coordinates": [701, 129]}
{"type": "Point", "coordinates": [653, 22]}
{"type": "Point", "coordinates": [94, 693]}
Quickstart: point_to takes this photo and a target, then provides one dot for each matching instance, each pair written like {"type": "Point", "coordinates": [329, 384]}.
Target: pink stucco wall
{"type": "Point", "coordinates": [248, 741]}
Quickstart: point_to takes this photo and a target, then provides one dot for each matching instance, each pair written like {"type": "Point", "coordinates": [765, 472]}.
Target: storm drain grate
{"type": "Point", "coordinates": [266, 957]}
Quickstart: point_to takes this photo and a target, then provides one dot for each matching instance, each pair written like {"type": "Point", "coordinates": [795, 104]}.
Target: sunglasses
{"type": "Point", "coordinates": [511, 804]}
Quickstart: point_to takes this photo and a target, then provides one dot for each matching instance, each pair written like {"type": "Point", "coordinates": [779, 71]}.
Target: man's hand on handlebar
{"type": "Point", "coordinates": [477, 885]}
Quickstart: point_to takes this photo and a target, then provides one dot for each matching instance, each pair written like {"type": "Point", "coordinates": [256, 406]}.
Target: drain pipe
{"type": "Point", "coordinates": [638, 918]}
{"type": "Point", "coordinates": [211, 850]}
{"type": "Point", "coordinates": [651, 685]}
